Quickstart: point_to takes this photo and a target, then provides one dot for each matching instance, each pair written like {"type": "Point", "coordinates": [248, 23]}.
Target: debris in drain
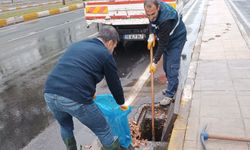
{"type": "Point", "coordinates": [136, 135]}
{"type": "Point", "coordinates": [141, 129]}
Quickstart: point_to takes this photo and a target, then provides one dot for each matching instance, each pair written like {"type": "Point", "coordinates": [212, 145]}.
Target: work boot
{"type": "Point", "coordinates": [115, 146]}
{"type": "Point", "coordinates": [70, 143]}
{"type": "Point", "coordinates": [166, 101]}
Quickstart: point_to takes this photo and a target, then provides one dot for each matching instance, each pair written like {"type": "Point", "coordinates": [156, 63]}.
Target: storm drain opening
{"type": "Point", "coordinates": [146, 124]}
{"type": "Point", "coordinates": [141, 127]}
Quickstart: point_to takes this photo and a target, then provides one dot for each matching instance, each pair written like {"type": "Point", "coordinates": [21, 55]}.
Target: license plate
{"type": "Point", "coordinates": [134, 36]}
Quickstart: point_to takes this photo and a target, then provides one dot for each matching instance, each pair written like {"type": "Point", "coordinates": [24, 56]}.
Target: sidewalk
{"type": "Point", "coordinates": [221, 92]}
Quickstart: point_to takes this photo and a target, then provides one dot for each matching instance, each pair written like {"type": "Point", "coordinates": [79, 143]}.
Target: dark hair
{"type": "Point", "coordinates": [148, 3]}
{"type": "Point", "coordinates": [107, 33]}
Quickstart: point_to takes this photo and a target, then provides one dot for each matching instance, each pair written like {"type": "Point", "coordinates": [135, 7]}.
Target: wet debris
{"type": "Point", "coordinates": [136, 135]}
{"type": "Point", "coordinates": [143, 122]}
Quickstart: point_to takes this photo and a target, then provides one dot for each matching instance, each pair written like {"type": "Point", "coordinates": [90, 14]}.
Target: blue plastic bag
{"type": "Point", "coordinates": [116, 118]}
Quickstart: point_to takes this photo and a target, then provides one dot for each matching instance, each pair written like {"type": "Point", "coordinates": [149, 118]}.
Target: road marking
{"type": "Point", "coordinates": [93, 35]}
{"type": "Point", "coordinates": [52, 16]}
{"type": "Point", "coordinates": [46, 29]}
{"type": "Point", "coordinates": [8, 29]}
{"type": "Point", "coordinates": [137, 87]}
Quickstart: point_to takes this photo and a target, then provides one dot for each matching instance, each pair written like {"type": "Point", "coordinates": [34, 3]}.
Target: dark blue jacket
{"type": "Point", "coordinates": [79, 70]}
{"type": "Point", "coordinates": [166, 22]}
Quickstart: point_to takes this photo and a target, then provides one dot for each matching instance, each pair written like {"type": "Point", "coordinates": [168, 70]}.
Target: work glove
{"type": "Point", "coordinates": [151, 41]}
{"type": "Point", "coordinates": [124, 107]}
{"type": "Point", "coordinates": [152, 68]}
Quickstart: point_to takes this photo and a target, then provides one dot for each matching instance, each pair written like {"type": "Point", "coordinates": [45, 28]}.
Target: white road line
{"type": "Point", "coordinates": [93, 35]}
{"type": "Point", "coordinates": [137, 87]}
{"type": "Point", "coordinates": [32, 33]}
{"type": "Point", "coordinates": [239, 13]}
{"type": "Point", "coordinates": [8, 29]}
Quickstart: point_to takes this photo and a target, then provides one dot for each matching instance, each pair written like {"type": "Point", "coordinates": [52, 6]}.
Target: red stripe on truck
{"type": "Point", "coordinates": [115, 17]}
{"type": "Point", "coordinates": [121, 2]}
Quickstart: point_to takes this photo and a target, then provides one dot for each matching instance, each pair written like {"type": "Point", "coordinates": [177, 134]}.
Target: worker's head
{"type": "Point", "coordinates": [110, 37]}
{"type": "Point", "coordinates": [152, 8]}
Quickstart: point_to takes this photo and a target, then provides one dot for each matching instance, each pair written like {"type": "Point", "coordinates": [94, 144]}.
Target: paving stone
{"type": "Point", "coordinates": [197, 85]}
{"type": "Point", "coordinates": [218, 98]}
{"type": "Point", "coordinates": [210, 56]}
{"type": "Point", "coordinates": [245, 111]}
{"type": "Point", "coordinates": [239, 64]}
{"type": "Point", "coordinates": [195, 111]}
{"type": "Point", "coordinates": [242, 84]}
{"type": "Point", "coordinates": [213, 76]}
{"type": "Point", "coordinates": [220, 112]}
{"type": "Point", "coordinates": [244, 100]}
{"type": "Point", "coordinates": [223, 126]}
{"type": "Point", "coordinates": [247, 124]}
{"type": "Point", "coordinates": [192, 132]}
{"type": "Point", "coordinates": [209, 67]}
{"type": "Point", "coordinates": [189, 145]}
{"type": "Point", "coordinates": [225, 145]}
{"type": "Point", "coordinates": [216, 85]}
{"type": "Point", "coordinates": [240, 73]}
{"type": "Point", "coordinates": [236, 55]}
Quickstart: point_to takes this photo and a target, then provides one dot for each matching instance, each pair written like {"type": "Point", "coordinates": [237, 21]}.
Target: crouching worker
{"type": "Point", "coordinates": [71, 86]}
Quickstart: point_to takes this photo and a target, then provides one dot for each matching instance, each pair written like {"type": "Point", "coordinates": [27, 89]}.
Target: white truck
{"type": "Point", "coordinates": [127, 16]}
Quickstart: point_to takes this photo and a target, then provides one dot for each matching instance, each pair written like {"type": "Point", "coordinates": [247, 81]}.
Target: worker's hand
{"type": "Point", "coordinates": [151, 41]}
{"type": "Point", "coordinates": [152, 68]}
{"type": "Point", "coordinates": [124, 107]}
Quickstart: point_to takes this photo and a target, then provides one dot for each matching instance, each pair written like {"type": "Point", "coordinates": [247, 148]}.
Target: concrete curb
{"type": "Point", "coordinates": [35, 15]}
{"type": "Point", "coordinates": [177, 138]}
{"type": "Point", "coordinates": [28, 6]}
{"type": "Point", "coordinates": [240, 26]}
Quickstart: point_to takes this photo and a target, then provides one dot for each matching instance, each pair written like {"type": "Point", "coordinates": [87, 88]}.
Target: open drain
{"type": "Point", "coordinates": [141, 127]}
{"type": "Point", "coordinates": [146, 124]}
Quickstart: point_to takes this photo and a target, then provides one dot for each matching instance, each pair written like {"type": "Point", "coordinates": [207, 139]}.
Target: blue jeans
{"type": "Point", "coordinates": [63, 109]}
{"type": "Point", "coordinates": [171, 66]}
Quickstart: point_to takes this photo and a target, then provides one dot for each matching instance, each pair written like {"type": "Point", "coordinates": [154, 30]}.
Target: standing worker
{"type": "Point", "coordinates": [167, 25]}
{"type": "Point", "coordinates": [71, 86]}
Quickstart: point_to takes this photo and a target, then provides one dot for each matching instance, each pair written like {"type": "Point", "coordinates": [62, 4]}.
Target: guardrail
{"type": "Point", "coordinates": [35, 15]}
{"type": "Point", "coordinates": [28, 6]}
